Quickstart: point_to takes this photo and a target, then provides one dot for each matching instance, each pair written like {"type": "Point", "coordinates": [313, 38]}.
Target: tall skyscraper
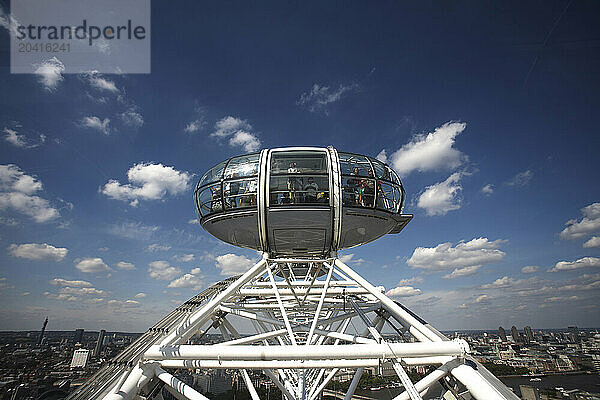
{"type": "Point", "coordinates": [41, 337]}
{"type": "Point", "coordinates": [502, 334]}
{"type": "Point", "coordinates": [98, 348]}
{"type": "Point", "coordinates": [515, 334]}
{"type": "Point", "coordinates": [574, 331]}
{"type": "Point", "coordinates": [78, 335]}
{"type": "Point", "coordinates": [528, 334]}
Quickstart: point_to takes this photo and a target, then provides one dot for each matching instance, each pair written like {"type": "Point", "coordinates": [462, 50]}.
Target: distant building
{"type": "Point", "coordinates": [41, 337]}
{"type": "Point", "coordinates": [574, 331]}
{"type": "Point", "coordinates": [78, 336]}
{"type": "Point", "coordinates": [99, 343]}
{"type": "Point", "coordinates": [529, 392]}
{"type": "Point", "coordinates": [529, 334]}
{"type": "Point", "coordinates": [502, 334]}
{"type": "Point", "coordinates": [80, 358]}
{"type": "Point", "coordinates": [515, 334]}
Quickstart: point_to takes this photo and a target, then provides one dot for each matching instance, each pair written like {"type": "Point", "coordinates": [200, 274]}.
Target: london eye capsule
{"type": "Point", "coordinates": [300, 201]}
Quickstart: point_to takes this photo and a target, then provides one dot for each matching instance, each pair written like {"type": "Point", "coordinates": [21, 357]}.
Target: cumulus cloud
{"type": "Point", "coordinates": [320, 96]}
{"type": "Point", "coordinates": [148, 181]}
{"type": "Point", "coordinates": [239, 133]}
{"type": "Point", "coordinates": [132, 118]}
{"type": "Point", "coordinates": [92, 265]}
{"type": "Point", "coordinates": [184, 258]}
{"type": "Point", "coordinates": [428, 152]}
{"type": "Point", "coordinates": [475, 253]}
{"type": "Point", "coordinates": [17, 193]}
{"type": "Point", "coordinates": [588, 224]}
{"type": "Point", "coordinates": [349, 258]}
{"type": "Point", "coordinates": [140, 295]}
{"type": "Point", "coordinates": [193, 221]}
{"type": "Point", "coordinates": [410, 281]}
{"type": "Point", "coordinates": [133, 230]}
{"type": "Point", "coordinates": [50, 73]}
{"type": "Point", "coordinates": [96, 123]}
{"type": "Point", "coordinates": [484, 298]}
{"type": "Point", "coordinates": [585, 262]}
{"type": "Point", "coordinates": [125, 265]}
{"type": "Point", "coordinates": [157, 247]}
{"type": "Point", "coordinates": [442, 197]}
{"type": "Point", "coordinates": [38, 252]}
{"type": "Point", "coordinates": [163, 270]}
{"type": "Point", "coordinates": [187, 281]}
{"type": "Point", "coordinates": [503, 282]}
{"type": "Point", "coordinates": [460, 272]}
{"type": "Point", "coordinates": [403, 291]}
{"type": "Point", "coordinates": [97, 81]}
{"type": "Point", "coordinates": [13, 137]}
{"type": "Point", "coordinates": [232, 264]}
{"type": "Point", "coordinates": [487, 189]}
{"type": "Point", "coordinates": [530, 269]}
{"type": "Point", "coordinates": [65, 282]}
{"type": "Point", "coordinates": [195, 126]}
{"type": "Point", "coordinates": [521, 179]}
{"type": "Point", "coordinates": [594, 241]}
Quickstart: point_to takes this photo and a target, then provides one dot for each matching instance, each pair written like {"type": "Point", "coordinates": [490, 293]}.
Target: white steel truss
{"type": "Point", "coordinates": [310, 319]}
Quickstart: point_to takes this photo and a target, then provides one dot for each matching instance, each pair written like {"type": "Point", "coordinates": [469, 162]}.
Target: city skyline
{"type": "Point", "coordinates": [487, 116]}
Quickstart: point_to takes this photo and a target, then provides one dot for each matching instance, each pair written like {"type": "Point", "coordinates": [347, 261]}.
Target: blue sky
{"type": "Point", "coordinates": [488, 111]}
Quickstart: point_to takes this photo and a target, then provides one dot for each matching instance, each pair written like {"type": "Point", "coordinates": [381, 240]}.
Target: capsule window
{"type": "Point", "coordinates": [208, 200]}
{"type": "Point", "coordinates": [298, 189]}
{"type": "Point", "coordinates": [298, 162]}
{"type": "Point", "coordinates": [358, 192]}
{"type": "Point", "coordinates": [389, 197]}
{"type": "Point", "coordinates": [213, 175]}
{"type": "Point", "coordinates": [353, 164]}
{"type": "Point", "coordinates": [243, 166]}
{"type": "Point", "coordinates": [240, 193]}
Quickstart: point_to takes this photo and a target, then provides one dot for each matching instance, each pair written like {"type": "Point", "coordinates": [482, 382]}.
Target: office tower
{"type": "Point", "coordinates": [41, 337]}
{"type": "Point", "coordinates": [502, 334]}
{"type": "Point", "coordinates": [78, 335]}
{"type": "Point", "coordinates": [528, 334]}
{"type": "Point", "coordinates": [515, 334]}
{"type": "Point", "coordinates": [98, 348]}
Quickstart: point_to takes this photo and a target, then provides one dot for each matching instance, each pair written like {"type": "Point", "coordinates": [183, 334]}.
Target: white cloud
{"type": "Point", "coordinates": [92, 265]}
{"type": "Point", "coordinates": [184, 258]}
{"type": "Point", "coordinates": [487, 189]}
{"type": "Point", "coordinates": [80, 291]}
{"type": "Point", "coordinates": [431, 151]}
{"type": "Point", "coordinates": [140, 295]}
{"type": "Point", "coordinates": [8, 22]}
{"type": "Point", "coordinates": [403, 291]}
{"type": "Point", "coordinates": [474, 253]}
{"type": "Point", "coordinates": [38, 252]}
{"type": "Point", "coordinates": [594, 241]}
{"type": "Point", "coordinates": [13, 137]}
{"type": "Point", "coordinates": [123, 303]}
{"type": "Point", "coordinates": [132, 118]}
{"type": "Point", "coordinates": [196, 271]}
{"type": "Point", "coordinates": [584, 262]}
{"type": "Point", "coordinates": [148, 182]}
{"type": "Point", "coordinates": [187, 281]}
{"type": "Point", "coordinates": [590, 223]}
{"type": "Point", "coordinates": [382, 156]}
{"type": "Point", "coordinates": [349, 258]}
{"type": "Point", "coordinates": [503, 282]}
{"type": "Point", "coordinates": [125, 265]}
{"type": "Point", "coordinates": [50, 73]}
{"type": "Point", "coordinates": [409, 281]}
{"type": "Point", "coordinates": [157, 247]}
{"type": "Point", "coordinates": [484, 298]}
{"type": "Point", "coordinates": [530, 269]}
{"type": "Point", "coordinates": [97, 81]}
{"type": "Point", "coordinates": [521, 179]}
{"type": "Point", "coordinates": [464, 271]}
{"type": "Point", "coordinates": [193, 221]}
{"type": "Point", "coordinates": [133, 230]}
{"type": "Point", "coordinates": [195, 126]}
{"type": "Point", "coordinates": [96, 123]}
{"type": "Point", "coordinates": [163, 270]}
{"type": "Point", "coordinates": [16, 192]}
{"type": "Point", "coordinates": [232, 264]}
{"type": "Point", "coordinates": [65, 282]}
{"type": "Point", "coordinates": [239, 133]}
{"type": "Point", "coordinates": [442, 197]}
{"type": "Point", "coordinates": [319, 96]}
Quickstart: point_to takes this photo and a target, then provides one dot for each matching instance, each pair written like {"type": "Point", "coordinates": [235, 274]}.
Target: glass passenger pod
{"type": "Point", "coordinates": [226, 200]}
{"type": "Point", "coordinates": [372, 199]}
{"type": "Point", "coordinates": [299, 211]}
